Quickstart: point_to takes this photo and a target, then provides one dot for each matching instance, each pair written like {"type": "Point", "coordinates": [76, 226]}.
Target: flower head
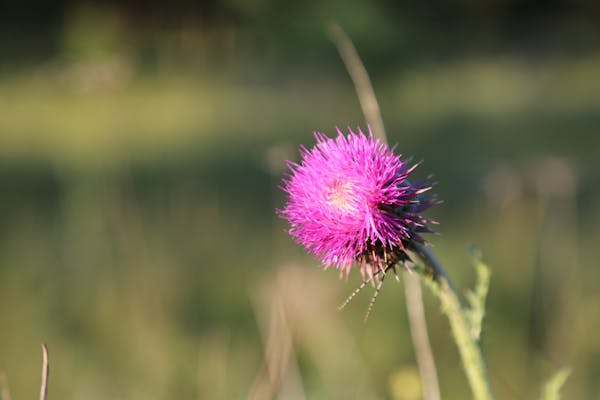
{"type": "Point", "coordinates": [350, 201]}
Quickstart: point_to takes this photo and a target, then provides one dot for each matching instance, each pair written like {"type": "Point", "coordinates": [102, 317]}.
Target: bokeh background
{"type": "Point", "coordinates": [141, 146]}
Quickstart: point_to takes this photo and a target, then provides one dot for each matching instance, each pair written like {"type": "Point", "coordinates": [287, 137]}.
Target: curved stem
{"type": "Point", "coordinates": [435, 265]}
{"type": "Point", "coordinates": [468, 345]}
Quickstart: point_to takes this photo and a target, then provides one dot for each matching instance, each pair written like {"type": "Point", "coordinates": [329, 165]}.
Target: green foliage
{"type": "Point", "coordinates": [466, 327]}
{"type": "Point", "coordinates": [465, 324]}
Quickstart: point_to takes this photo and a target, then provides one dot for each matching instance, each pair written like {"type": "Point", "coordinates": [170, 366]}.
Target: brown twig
{"type": "Point", "coordinates": [412, 288]}
{"type": "Point", "coordinates": [45, 372]}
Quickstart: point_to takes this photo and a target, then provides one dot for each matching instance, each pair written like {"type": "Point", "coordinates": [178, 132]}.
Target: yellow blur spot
{"type": "Point", "coordinates": [405, 384]}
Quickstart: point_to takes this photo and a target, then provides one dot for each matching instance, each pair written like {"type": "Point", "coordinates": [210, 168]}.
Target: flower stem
{"type": "Point", "coordinates": [467, 343]}
{"type": "Point", "coordinates": [435, 266]}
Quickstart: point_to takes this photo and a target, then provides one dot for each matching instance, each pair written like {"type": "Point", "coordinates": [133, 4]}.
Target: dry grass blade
{"type": "Point", "coordinates": [278, 377]}
{"type": "Point", "coordinates": [45, 373]}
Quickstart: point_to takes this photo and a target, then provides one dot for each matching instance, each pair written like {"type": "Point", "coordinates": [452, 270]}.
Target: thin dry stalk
{"type": "Point", "coordinates": [420, 338]}
{"type": "Point", "coordinates": [360, 77]}
{"type": "Point", "coordinates": [279, 362]}
{"type": "Point", "coordinates": [414, 299]}
{"type": "Point", "coordinates": [45, 373]}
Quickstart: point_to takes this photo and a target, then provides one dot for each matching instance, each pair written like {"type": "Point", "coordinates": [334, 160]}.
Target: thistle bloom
{"type": "Point", "coordinates": [350, 202]}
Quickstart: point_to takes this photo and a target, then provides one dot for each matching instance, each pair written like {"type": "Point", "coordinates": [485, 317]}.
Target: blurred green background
{"type": "Point", "coordinates": [141, 146]}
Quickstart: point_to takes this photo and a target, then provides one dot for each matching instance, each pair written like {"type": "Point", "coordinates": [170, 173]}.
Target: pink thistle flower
{"type": "Point", "coordinates": [350, 202]}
